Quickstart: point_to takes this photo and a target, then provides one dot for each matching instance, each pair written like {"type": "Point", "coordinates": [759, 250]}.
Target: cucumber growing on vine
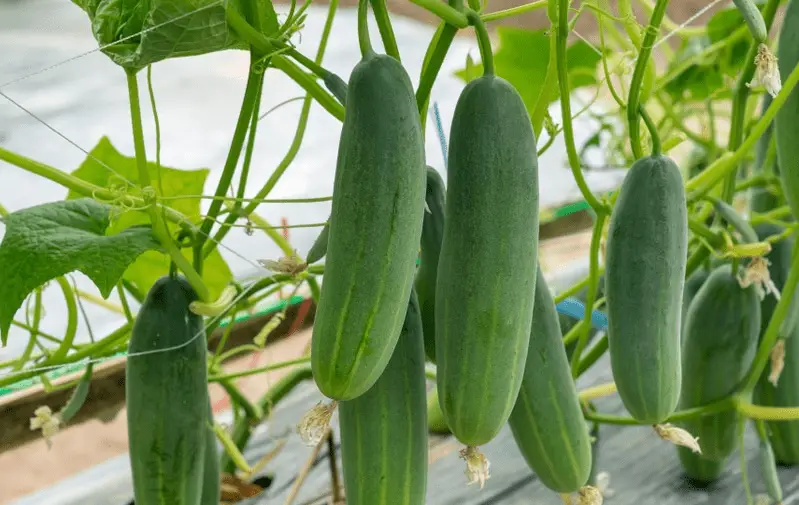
{"type": "Point", "coordinates": [167, 397]}
{"type": "Point", "coordinates": [375, 228]}
{"type": "Point", "coordinates": [645, 270]}
{"type": "Point", "coordinates": [384, 431]}
{"type": "Point", "coordinates": [787, 115]}
{"type": "Point", "coordinates": [721, 333]}
{"type": "Point", "coordinates": [489, 254]}
{"type": "Point", "coordinates": [432, 234]}
{"type": "Point", "coordinates": [547, 420]}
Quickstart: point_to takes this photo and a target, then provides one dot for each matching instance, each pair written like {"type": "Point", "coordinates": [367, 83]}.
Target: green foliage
{"type": "Point", "coordinates": [171, 183]}
{"type": "Point", "coordinates": [49, 240]}
{"type": "Point", "coordinates": [523, 58]}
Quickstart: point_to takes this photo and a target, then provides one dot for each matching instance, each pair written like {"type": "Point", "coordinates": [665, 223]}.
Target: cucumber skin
{"type": "Point", "coordinates": [783, 435]}
{"type": "Point", "coordinates": [692, 286]}
{"type": "Point", "coordinates": [375, 229]}
{"type": "Point", "coordinates": [212, 476]}
{"type": "Point", "coordinates": [489, 255]}
{"type": "Point", "coordinates": [167, 397]}
{"type": "Point", "coordinates": [786, 117]}
{"type": "Point", "coordinates": [384, 431]}
{"type": "Point", "coordinates": [432, 234]}
{"type": "Point", "coordinates": [720, 343]}
{"type": "Point", "coordinates": [547, 420]}
{"type": "Point", "coordinates": [645, 270]}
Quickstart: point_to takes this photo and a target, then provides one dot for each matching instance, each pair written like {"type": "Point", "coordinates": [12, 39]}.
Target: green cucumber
{"type": "Point", "coordinates": [738, 223]}
{"type": "Point", "coordinates": [167, 397]}
{"type": "Point", "coordinates": [547, 420]}
{"type": "Point", "coordinates": [212, 476]}
{"type": "Point", "coordinates": [384, 431]}
{"type": "Point", "coordinates": [435, 418]}
{"type": "Point", "coordinates": [336, 86]}
{"type": "Point", "coordinates": [754, 19]}
{"type": "Point", "coordinates": [489, 255]}
{"type": "Point", "coordinates": [720, 343]}
{"type": "Point", "coordinates": [319, 247]}
{"type": "Point", "coordinates": [645, 271]}
{"type": "Point", "coordinates": [432, 233]}
{"type": "Point", "coordinates": [784, 435]}
{"type": "Point", "coordinates": [375, 230]}
{"type": "Point", "coordinates": [768, 469]}
{"type": "Point", "coordinates": [692, 286]}
{"type": "Point", "coordinates": [786, 117]}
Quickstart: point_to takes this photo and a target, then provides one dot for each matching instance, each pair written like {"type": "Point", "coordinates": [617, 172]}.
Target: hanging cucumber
{"type": "Point", "coordinates": [384, 431]}
{"type": "Point", "coordinates": [167, 397]}
{"type": "Point", "coordinates": [212, 476]}
{"type": "Point", "coordinates": [375, 228]}
{"type": "Point", "coordinates": [432, 233]}
{"type": "Point", "coordinates": [720, 343]}
{"type": "Point", "coordinates": [489, 255]}
{"type": "Point", "coordinates": [645, 270]}
{"type": "Point", "coordinates": [692, 286]}
{"type": "Point", "coordinates": [785, 119]}
{"type": "Point", "coordinates": [547, 420]}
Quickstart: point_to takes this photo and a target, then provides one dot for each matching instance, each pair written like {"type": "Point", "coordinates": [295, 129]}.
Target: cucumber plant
{"type": "Point", "coordinates": [692, 265]}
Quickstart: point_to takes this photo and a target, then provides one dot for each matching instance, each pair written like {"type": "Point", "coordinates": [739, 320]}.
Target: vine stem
{"type": "Point", "coordinates": [514, 11]}
{"type": "Point", "coordinates": [160, 229]}
{"type": "Point", "coordinates": [711, 408]}
{"type": "Point", "coordinates": [444, 11]}
{"type": "Point", "coordinates": [641, 63]}
{"type": "Point", "coordinates": [254, 80]}
{"type": "Point", "coordinates": [386, 30]}
{"type": "Point", "coordinates": [764, 413]}
{"type": "Point", "coordinates": [593, 285]}
{"type": "Point", "coordinates": [436, 52]}
{"type": "Point", "coordinates": [562, 33]}
{"type": "Point", "coordinates": [363, 29]}
{"type": "Point", "coordinates": [483, 41]}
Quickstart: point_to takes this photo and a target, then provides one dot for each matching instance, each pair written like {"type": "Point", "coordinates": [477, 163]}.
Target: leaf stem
{"type": "Point", "coordinates": [363, 29]}
{"type": "Point", "coordinates": [160, 229]}
{"type": "Point", "coordinates": [514, 11]}
{"type": "Point", "coordinates": [436, 53]}
{"type": "Point", "coordinates": [486, 53]}
{"type": "Point", "coordinates": [34, 332]}
{"type": "Point", "coordinates": [259, 370]}
{"type": "Point", "coordinates": [765, 413]}
{"type": "Point", "coordinates": [653, 130]}
{"type": "Point", "coordinates": [386, 31]}
{"type": "Point", "coordinates": [444, 11]}
{"type": "Point", "coordinates": [645, 50]}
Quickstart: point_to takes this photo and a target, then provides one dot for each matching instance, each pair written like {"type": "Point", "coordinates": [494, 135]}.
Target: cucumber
{"type": "Point", "coordinates": [384, 431]}
{"type": "Point", "coordinates": [645, 277]}
{"type": "Point", "coordinates": [753, 18]}
{"type": "Point", "coordinates": [692, 286]}
{"type": "Point", "coordinates": [489, 255]}
{"type": "Point", "coordinates": [212, 476]}
{"type": "Point", "coordinates": [167, 397]}
{"type": "Point", "coordinates": [720, 343]}
{"type": "Point", "coordinates": [432, 234]}
{"type": "Point", "coordinates": [786, 117]}
{"type": "Point", "coordinates": [435, 418]}
{"type": "Point", "coordinates": [547, 420]}
{"type": "Point", "coordinates": [784, 435]}
{"type": "Point", "coordinates": [375, 230]}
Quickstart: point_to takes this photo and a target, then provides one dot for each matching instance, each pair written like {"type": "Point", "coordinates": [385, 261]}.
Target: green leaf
{"type": "Point", "coordinates": [186, 185]}
{"type": "Point", "coordinates": [522, 59]}
{"type": "Point", "coordinates": [54, 239]}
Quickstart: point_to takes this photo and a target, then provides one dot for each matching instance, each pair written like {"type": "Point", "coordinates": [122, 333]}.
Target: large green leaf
{"type": "Point", "coordinates": [53, 239]}
{"type": "Point", "coordinates": [522, 58]}
{"type": "Point", "coordinates": [186, 185]}
{"type": "Point", "coordinates": [137, 33]}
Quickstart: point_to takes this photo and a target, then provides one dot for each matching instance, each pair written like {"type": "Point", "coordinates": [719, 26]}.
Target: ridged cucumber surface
{"type": "Point", "coordinates": [644, 281]}
{"type": "Point", "coordinates": [384, 431]}
{"type": "Point", "coordinates": [786, 119]}
{"type": "Point", "coordinates": [212, 476]}
{"type": "Point", "coordinates": [489, 255]}
{"type": "Point", "coordinates": [375, 230]}
{"type": "Point", "coordinates": [547, 420]}
{"type": "Point", "coordinates": [167, 397]}
{"type": "Point", "coordinates": [432, 234]}
{"type": "Point", "coordinates": [721, 335]}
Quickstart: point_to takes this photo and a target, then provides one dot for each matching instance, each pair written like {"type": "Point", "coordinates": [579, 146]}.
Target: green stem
{"type": "Point", "coordinates": [363, 29]}
{"type": "Point", "coordinates": [562, 34]}
{"type": "Point", "coordinates": [37, 317]}
{"type": "Point", "coordinates": [740, 99]}
{"type": "Point", "coordinates": [592, 356]}
{"type": "Point", "coordinates": [254, 80]}
{"type": "Point", "coordinates": [238, 399]}
{"type": "Point", "coordinates": [741, 425]}
{"type": "Point", "coordinates": [645, 51]}
{"type": "Point", "coordinates": [245, 166]}
{"type": "Point", "coordinates": [309, 84]}
{"type": "Point", "coordinates": [653, 131]}
{"type": "Point", "coordinates": [593, 285]}
{"type": "Point", "coordinates": [514, 11]}
{"type": "Point", "coordinates": [772, 331]}
{"type": "Point", "coordinates": [436, 53]}
{"type": "Point", "coordinates": [157, 125]}
{"type": "Point", "coordinates": [160, 229]}
{"type": "Point", "coordinates": [384, 25]}
{"type": "Point", "coordinates": [483, 41]}
{"type": "Point", "coordinates": [672, 114]}
{"type": "Point", "coordinates": [72, 320]}
{"type": "Point", "coordinates": [444, 11]}
{"type": "Point", "coordinates": [682, 415]}
{"type": "Point", "coordinates": [259, 370]}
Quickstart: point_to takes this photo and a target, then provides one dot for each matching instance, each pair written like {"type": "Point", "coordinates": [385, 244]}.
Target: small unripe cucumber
{"type": "Point", "coordinates": [645, 276]}
{"type": "Point", "coordinates": [786, 118]}
{"type": "Point", "coordinates": [720, 343]}
{"type": "Point", "coordinates": [167, 397]}
{"type": "Point", "coordinates": [384, 431]}
{"type": "Point", "coordinates": [547, 420]}
{"type": "Point", "coordinates": [432, 234]}
{"type": "Point", "coordinates": [754, 19]}
{"type": "Point", "coordinates": [489, 255]}
{"type": "Point", "coordinates": [375, 229]}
